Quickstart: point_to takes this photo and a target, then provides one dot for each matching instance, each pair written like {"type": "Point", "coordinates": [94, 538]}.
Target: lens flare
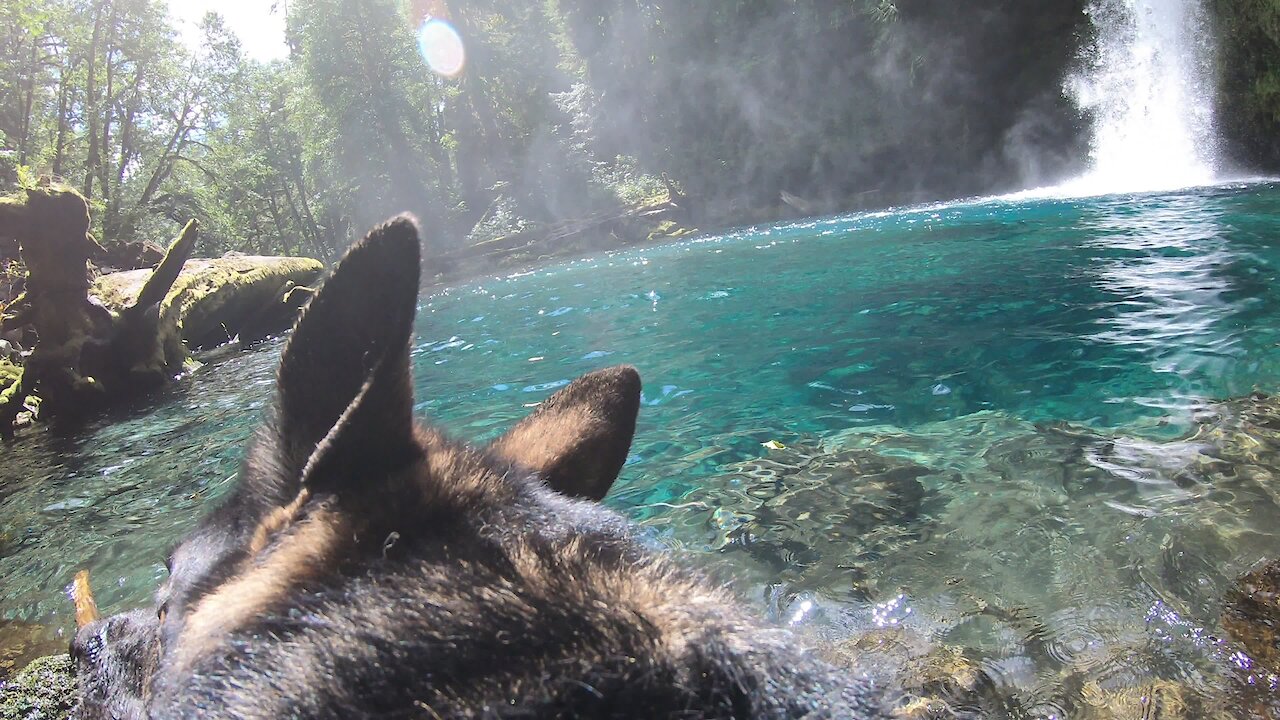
{"type": "Point", "coordinates": [441, 47]}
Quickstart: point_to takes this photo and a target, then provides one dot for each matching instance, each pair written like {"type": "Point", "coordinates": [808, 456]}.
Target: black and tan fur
{"type": "Point", "coordinates": [366, 566]}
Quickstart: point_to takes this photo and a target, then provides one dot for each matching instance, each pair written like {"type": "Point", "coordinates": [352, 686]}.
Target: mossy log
{"type": "Point", "coordinates": [127, 331]}
{"type": "Point", "coordinates": [214, 300]}
{"type": "Point", "coordinates": [653, 220]}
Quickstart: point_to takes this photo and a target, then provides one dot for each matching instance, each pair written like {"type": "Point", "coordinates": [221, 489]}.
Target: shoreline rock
{"type": "Point", "coordinates": [46, 689]}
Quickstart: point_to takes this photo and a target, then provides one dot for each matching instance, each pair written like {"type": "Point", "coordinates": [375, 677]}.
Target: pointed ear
{"type": "Point", "coordinates": [579, 437]}
{"type": "Point", "coordinates": [345, 391]}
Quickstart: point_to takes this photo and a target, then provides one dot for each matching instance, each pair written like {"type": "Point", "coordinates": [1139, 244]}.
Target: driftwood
{"type": "Point", "coordinates": [126, 332]}
{"type": "Point", "coordinates": [651, 221]}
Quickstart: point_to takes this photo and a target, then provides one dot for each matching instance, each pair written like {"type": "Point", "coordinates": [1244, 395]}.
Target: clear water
{"type": "Point", "coordinates": [983, 403]}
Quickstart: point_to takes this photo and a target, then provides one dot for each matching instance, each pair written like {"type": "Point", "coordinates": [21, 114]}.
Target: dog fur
{"type": "Point", "coordinates": [367, 566]}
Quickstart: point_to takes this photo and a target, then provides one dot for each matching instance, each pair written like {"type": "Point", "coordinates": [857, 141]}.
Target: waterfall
{"type": "Point", "coordinates": [1148, 84]}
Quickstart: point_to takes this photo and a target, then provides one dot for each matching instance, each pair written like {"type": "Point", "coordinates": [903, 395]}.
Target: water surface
{"type": "Point", "coordinates": [985, 407]}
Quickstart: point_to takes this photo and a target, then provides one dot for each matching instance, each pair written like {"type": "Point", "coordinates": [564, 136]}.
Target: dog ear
{"type": "Point", "coordinates": [579, 437]}
{"type": "Point", "coordinates": [345, 389]}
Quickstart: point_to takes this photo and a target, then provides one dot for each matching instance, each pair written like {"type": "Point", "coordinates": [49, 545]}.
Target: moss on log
{"type": "Point", "coordinates": [214, 300]}
{"type": "Point", "coordinates": [9, 374]}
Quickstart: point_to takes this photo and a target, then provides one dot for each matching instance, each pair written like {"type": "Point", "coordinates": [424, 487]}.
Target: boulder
{"type": "Point", "coordinates": [45, 690]}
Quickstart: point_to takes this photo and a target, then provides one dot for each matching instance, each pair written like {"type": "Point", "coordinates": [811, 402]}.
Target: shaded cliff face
{"type": "Point", "coordinates": [1248, 33]}
{"type": "Point", "coordinates": [833, 100]}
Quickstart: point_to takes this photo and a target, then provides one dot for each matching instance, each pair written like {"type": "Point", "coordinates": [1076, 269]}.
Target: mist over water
{"type": "Point", "coordinates": [1148, 84]}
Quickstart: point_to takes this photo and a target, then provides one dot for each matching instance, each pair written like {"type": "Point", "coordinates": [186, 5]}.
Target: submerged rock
{"type": "Point", "coordinates": [938, 680]}
{"type": "Point", "coordinates": [1230, 465]}
{"type": "Point", "coordinates": [814, 518]}
{"type": "Point", "coordinates": [1252, 615]}
{"type": "Point", "coordinates": [1234, 442]}
{"type": "Point", "coordinates": [1175, 515]}
{"type": "Point", "coordinates": [1158, 700]}
{"type": "Point", "coordinates": [45, 690]}
{"type": "Point", "coordinates": [1239, 442]}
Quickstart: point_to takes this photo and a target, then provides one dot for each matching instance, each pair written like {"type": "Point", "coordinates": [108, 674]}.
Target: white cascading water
{"type": "Point", "coordinates": [1149, 85]}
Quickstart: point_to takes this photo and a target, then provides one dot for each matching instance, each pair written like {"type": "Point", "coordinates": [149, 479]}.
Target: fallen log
{"type": "Point", "coordinates": [127, 332]}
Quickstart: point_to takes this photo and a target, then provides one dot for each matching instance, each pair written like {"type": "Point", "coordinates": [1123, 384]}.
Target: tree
{"type": "Point", "coordinates": [358, 60]}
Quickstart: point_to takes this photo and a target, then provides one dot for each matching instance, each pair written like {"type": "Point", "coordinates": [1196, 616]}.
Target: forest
{"type": "Point", "coordinates": [747, 110]}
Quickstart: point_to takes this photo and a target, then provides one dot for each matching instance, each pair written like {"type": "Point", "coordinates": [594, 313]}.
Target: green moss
{"type": "Point", "coordinates": [10, 384]}
{"type": "Point", "coordinates": [1249, 77]}
{"type": "Point", "coordinates": [45, 187]}
{"type": "Point", "coordinates": [212, 298]}
{"type": "Point", "coordinates": [44, 690]}
{"type": "Point", "coordinates": [669, 229]}
{"type": "Point", "coordinates": [9, 374]}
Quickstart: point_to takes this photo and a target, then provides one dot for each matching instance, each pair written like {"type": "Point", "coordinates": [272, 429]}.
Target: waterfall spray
{"type": "Point", "coordinates": [1148, 84]}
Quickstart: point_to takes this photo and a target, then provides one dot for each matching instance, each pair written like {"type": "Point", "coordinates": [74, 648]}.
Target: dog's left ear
{"type": "Point", "coordinates": [346, 395]}
{"type": "Point", "coordinates": [578, 438]}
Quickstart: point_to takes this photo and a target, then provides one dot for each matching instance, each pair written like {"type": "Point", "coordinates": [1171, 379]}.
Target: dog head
{"type": "Point", "coordinates": [342, 474]}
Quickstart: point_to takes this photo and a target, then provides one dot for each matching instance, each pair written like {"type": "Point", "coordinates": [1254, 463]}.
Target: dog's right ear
{"type": "Point", "coordinates": [578, 438]}
{"type": "Point", "coordinates": [345, 390]}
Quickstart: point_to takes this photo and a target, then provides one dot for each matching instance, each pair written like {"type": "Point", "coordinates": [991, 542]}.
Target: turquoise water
{"type": "Point", "coordinates": [982, 405]}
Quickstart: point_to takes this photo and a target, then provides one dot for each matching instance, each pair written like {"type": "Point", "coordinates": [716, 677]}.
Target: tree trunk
{"type": "Point", "coordinates": [28, 100]}
{"type": "Point", "coordinates": [293, 170]}
{"type": "Point", "coordinates": [60, 144]}
{"type": "Point", "coordinates": [281, 232]}
{"type": "Point", "coordinates": [164, 165]}
{"type": "Point", "coordinates": [108, 109]}
{"type": "Point", "coordinates": [110, 193]}
{"type": "Point", "coordinates": [312, 227]}
{"type": "Point", "coordinates": [91, 100]}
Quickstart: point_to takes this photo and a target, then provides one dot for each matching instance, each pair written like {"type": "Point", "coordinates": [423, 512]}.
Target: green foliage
{"type": "Point", "coordinates": [501, 219]}
{"type": "Point", "coordinates": [358, 60]}
{"type": "Point", "coordinates": [24, 177]}
{"type": "Point", "coordinates": [625, 180]}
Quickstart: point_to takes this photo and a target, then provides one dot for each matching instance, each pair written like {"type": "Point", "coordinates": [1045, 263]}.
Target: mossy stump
{"type": "Point", "coordinates": [126, 332]}
{"type": "Point", "coordinates": [52, 228]}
